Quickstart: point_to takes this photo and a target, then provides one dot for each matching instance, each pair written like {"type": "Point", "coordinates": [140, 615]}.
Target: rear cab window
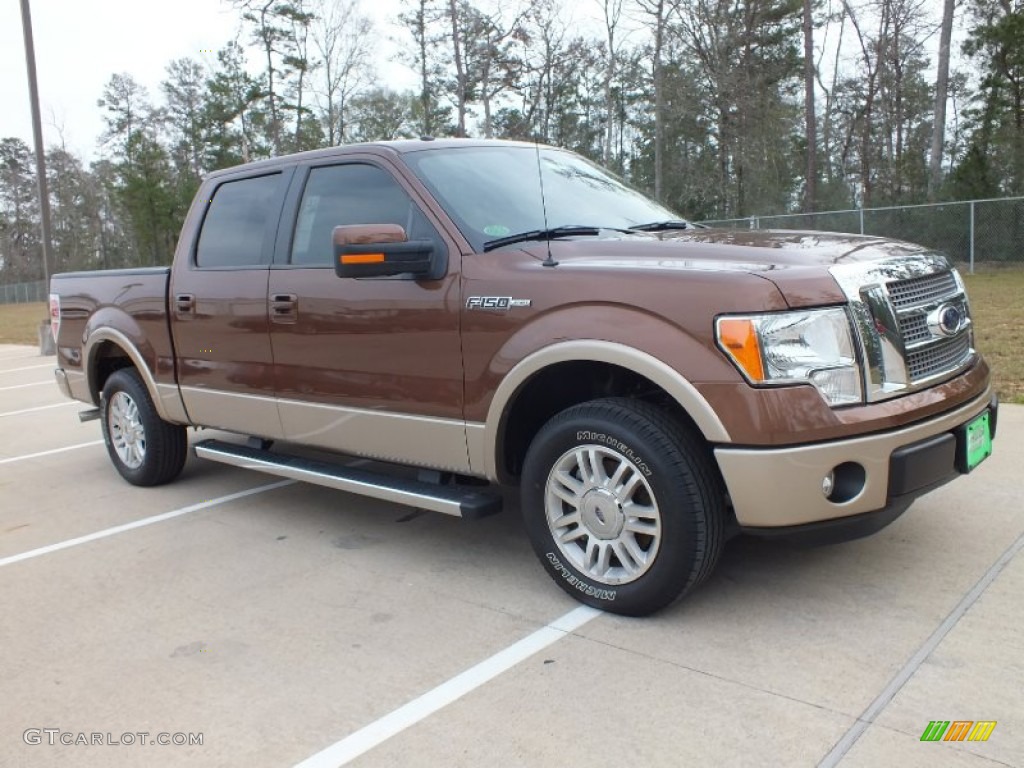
{"type": "Point", "coordinates": [238, 222]}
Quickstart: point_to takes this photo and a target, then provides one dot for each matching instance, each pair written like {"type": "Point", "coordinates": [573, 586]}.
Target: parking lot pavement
{"type": "Point", "coordinates": [278, 623]}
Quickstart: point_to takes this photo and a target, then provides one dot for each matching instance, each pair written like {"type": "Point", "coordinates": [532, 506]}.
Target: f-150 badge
{"type": "Point", "coordinates": [502, 303]}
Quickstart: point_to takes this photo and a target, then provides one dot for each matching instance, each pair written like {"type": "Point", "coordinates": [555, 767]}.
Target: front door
{"type": "Point", "coordinates": [371, 367]}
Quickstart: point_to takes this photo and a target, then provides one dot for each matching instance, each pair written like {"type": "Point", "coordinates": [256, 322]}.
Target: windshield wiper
{"type": "Point", "coordinates": [661, 226]}
{"type": "Point", "coordinates": [542, 234]}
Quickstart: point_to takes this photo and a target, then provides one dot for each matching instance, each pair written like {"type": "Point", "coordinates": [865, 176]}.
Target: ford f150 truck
{"type": "Point", "coordinates": [509, 313]}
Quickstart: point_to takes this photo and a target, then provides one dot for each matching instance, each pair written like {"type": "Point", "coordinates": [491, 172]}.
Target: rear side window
{"type": "Point", "coordinates": [236, 223]}
{"type": "Point", "coordinates": [351, 194]}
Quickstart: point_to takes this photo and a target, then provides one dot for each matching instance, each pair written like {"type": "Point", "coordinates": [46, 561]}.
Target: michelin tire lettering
{"type": "Point", "coordinates": [585, 435]}
{"type": "Point", "coordinates": [577, 583]}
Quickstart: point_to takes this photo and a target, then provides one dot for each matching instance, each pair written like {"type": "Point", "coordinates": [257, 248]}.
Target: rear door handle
{"type": "Point", "coordinates": [185, 303]}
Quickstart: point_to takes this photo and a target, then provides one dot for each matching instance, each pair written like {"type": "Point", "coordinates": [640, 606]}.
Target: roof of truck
{"type": "Point", "coordinates": [401, 146]}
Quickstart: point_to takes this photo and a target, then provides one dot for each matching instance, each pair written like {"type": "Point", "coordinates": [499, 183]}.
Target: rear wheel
{"type": "Point", "coordinates": [145, 449]}
{"type": "Point", "coordinates": [622, 505]}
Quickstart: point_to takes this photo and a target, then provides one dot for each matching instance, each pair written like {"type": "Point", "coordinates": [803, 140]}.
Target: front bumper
{"type": "Point", "coordinates": [779, 491]}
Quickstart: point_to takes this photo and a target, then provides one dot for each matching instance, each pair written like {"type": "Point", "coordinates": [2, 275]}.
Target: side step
{"type": "Point", "coordinates": [469, 503]}
{"type": "Point", "coordinates": [91, 415]}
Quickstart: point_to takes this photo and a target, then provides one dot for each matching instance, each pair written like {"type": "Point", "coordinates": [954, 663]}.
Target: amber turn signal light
{"type": "Point", "coordinates": [362, 258]}
{"type": "Point", "coordinates": [739, 337]}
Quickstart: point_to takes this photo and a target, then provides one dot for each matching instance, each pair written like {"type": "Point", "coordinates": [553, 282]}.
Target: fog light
{"type": "Point", "coordinates": [828, 484]}
{"type": "Point", "coordinates": [845, 482]}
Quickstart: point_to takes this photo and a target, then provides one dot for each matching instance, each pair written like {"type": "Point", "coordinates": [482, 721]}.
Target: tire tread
{"type": "Point", "coordinates": [166, 443]}
{"type": "Point", "coordinates": [691, 464]}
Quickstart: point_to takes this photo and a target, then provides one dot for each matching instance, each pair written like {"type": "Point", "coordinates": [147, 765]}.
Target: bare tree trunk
{"type": "Point", "coordinates": [548, 96]}
{"type": "Point", "coordinates": [268, 46]}
{"type": "Point", "coordinates": [332, 115]}
{"type": "Point", "coordinates": [485, 95]}
{"type": "Point", "coordinates": [460, 74]}
{"type": "Point", "coordinates": [898, 156]}
{"type": "Point", "coordinates": [612, 12]}
{"type": "Point", "coordinates": [300, 42]}
{"type": "Point", "coordinates": [810, 114]}
{"type": "Point", "coordinates": [300, 87]}
{"type": "Point", "coordinates": [827, 123]}
{"type": "Point", "coordinates": [497, 74]}
{"type": "Point", "coordinates": [425, 98]}
{"type": "Point", "coordinates": [868, 109]}
{"type": "Point", "coordinates": [941, 92]}
{"type": "Point", "coordinates": [659, 103]}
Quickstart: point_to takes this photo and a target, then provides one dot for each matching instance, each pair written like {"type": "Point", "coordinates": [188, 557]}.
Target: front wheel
{"type": "Point", "coordinates": [622, 505]}
{"type": "Point", "coordinates": [145, 449]}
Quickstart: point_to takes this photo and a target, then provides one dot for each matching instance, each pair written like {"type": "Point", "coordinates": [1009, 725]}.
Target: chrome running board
{"type": "Point", "coordinates": [454, 500]}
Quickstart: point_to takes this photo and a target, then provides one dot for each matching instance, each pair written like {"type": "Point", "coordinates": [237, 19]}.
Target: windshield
{"type": "Point", "coordinates": [493, 192]}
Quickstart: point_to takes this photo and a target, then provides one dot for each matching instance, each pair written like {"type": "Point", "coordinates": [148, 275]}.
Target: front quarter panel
{"type": "Point", "coordinates": [658, 325]}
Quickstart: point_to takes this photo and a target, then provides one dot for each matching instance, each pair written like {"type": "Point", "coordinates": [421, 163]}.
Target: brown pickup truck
{"type": "Point", "coordinates": [497, 314]}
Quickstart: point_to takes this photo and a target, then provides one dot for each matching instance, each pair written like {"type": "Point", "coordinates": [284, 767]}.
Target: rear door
{"type": "Point", "coordinates": [368, 366]}
{"type": "Point", "coordinates": [218, 308]}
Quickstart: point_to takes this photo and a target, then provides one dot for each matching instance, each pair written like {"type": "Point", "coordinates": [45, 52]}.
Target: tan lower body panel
{"type": "Point", "coordinates": [779, 487]}
{"type": "Point", "coordinates": [233, 411]}
{"type": "Point", "coordinates": [402, 438]}
{"type": "Point", "coordinates": [397, 437]}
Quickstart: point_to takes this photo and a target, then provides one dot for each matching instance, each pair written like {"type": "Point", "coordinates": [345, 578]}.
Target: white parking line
{"type": "Point", "coordinates": [33, 384]}
{"type": "Point", "coordinates": [38, 408]}
{"type": "Point", "coordinates": [52, 451]}
{"type": "Point", "coordinates": [141, 523]}
{"type": "Point", "coordinates": [18, 350]}
{"type": "Point", "coordinates": [27, 368]}
{"type": "Point", "coordinates": [366, 738]}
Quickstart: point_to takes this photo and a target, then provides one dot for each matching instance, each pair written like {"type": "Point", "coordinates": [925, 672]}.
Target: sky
{"type": "Point", "coordinates": [81, 43]}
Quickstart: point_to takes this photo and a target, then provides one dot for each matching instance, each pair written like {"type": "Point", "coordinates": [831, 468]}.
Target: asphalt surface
{"type": "Point", "coordinates": [288, 621]}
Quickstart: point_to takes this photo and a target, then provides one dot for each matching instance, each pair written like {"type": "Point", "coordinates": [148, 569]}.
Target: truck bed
{"type": "Point", "coordinates": [134, 301]}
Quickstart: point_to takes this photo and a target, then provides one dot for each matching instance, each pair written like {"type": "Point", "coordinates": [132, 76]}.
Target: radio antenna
{"type": "Point", "coordinates": [550, 260]}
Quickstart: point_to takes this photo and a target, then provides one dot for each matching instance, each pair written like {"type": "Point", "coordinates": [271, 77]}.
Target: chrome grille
{"type": "Point", "coordinates": [922, 290]}
{"type": "Point", "coordinates": [899, 306]}
{"type": "Point", "coordinates": [938, 358]}
{"type": "Point", "coordinates": [926, 353]}
{"type": "Point", "coordinates": [914, 328]}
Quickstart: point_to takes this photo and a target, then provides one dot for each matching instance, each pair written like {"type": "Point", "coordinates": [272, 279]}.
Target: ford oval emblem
{"type": "Point", "coordinates": [951, 320]}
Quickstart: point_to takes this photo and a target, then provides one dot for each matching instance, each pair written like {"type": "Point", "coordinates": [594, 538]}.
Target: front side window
{"type": "Point", "coordinates": [494, 191]}
{"type": "Point", "coordinates": [340, 195]}
{"type": "Point", "coordinates": [236, 223]}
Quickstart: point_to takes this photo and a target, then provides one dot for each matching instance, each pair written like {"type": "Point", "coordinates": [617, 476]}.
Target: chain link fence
{"type": "Point", "coordinates": [20, 293]}
{"type": "Point", "coordinates": [986, 232]}
{"type": "Point", "coordinates": [989, 232]}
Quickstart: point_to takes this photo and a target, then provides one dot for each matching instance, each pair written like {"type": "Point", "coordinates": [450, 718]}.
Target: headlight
{"type": "Point", "coordinates": [807, 347]}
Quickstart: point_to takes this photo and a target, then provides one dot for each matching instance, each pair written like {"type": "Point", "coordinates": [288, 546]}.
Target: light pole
{"type": "Point", "coordinates": [37, 133]}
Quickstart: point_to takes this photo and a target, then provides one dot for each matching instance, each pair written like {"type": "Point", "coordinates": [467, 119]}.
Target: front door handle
{"type": "Point", "coordinates": [185, 303]}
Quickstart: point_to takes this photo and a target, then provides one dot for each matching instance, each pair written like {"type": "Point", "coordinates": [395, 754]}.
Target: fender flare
{"type": "Point", "coordinates": [642, 363]}
{"type": "Point", "coordinates": [166, 398]}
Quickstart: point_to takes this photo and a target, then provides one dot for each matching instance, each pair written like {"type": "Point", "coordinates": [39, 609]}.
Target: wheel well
{"type": "Point", "coordinates": [108, 358]}
{"type": "Point", "coordinates": [563, 385]}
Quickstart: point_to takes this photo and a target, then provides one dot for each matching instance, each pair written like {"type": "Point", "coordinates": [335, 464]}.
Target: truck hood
{"type": "Point", "coordinates": [796, 262]}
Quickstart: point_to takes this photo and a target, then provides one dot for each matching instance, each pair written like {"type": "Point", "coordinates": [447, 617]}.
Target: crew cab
{"type": "Point", "coordinates": [477, 314]}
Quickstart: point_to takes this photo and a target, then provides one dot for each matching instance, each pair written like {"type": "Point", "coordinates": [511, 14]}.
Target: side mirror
{"type": "Point", "coordinates": [380, 250]}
